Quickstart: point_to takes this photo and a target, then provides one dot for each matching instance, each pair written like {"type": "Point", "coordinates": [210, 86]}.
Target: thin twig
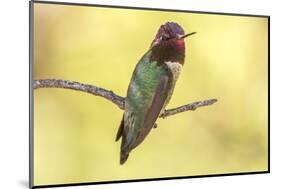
{"type": "Point", "coordinates": [193, 106]}
{"type": "Point", "coordinates": [111, 96]}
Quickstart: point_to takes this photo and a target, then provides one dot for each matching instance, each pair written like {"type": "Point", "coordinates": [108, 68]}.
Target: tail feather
{"type": "Point", "coordinates": [124, 154]}
{"type": "Point", "coordinates": [123, 157]}
{"type": "Point", "coordinates": [125, 150]}
{"type": "Point", "coordinates": [120, 130]}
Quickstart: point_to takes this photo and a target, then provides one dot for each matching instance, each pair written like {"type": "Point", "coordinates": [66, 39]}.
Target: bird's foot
{"type": "Point", "coordinates": [155, 125]}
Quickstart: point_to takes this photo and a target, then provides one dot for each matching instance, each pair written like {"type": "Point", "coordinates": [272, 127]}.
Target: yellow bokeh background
{"type": "Point", "coordinates": [74, 132]}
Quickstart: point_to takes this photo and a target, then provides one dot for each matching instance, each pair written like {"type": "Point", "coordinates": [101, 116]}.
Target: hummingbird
{"type": "Point", "coordinates": [151, 86]}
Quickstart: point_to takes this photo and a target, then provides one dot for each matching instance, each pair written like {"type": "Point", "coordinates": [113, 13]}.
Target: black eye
{"type": "Point", "coordinates": [164, 37]}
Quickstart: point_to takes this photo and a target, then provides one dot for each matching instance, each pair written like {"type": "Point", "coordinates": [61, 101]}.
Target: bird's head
{"type": "Point", "coordinates": [168, 44]}
{"type": "Point", "coordinates": [170, 32]}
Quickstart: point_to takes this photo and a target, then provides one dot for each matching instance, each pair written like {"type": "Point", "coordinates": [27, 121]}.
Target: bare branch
{"type": "Point", "coordinates": [97, 91]}
{"type": "Point", "coordinates": [111, 96]}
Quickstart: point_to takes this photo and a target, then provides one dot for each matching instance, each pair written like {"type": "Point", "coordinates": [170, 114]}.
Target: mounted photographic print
{"type": "Point", "coordinates": [122, 94]}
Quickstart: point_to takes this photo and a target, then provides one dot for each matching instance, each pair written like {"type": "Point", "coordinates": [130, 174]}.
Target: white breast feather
{"type": "Point", "coordinates": [175, 67]}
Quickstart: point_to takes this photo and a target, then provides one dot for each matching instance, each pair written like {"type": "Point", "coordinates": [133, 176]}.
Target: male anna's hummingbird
{"type": "Point", "coordinates": [151, 86]}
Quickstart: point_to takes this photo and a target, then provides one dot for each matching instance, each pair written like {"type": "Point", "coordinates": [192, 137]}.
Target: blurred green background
{"type": "Point", "coordinates": [74, 132]}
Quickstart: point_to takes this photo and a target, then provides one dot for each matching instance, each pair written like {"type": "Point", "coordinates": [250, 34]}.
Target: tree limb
{"type": "Point", "coordinates": [97, 91]}
{"type": "Point", "coordinates": [111, 96]}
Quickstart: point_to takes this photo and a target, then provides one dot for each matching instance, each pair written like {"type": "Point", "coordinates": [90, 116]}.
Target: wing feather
{"type": "Point", "coordinates": [157, 104]}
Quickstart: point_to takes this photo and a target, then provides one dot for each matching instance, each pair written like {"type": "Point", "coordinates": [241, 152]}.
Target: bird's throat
{"type": "Point", "coordinates": [173, 51]}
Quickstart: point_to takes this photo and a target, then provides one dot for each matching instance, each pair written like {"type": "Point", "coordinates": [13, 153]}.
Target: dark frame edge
{"type": "Point", "coordinates": [151, 179]}
{"type": "Point", "coordinates": [149, 9]}
{"type": "Point", "coordinates": [31, 122]}
{"type": "Point", "coordinates": [268, 63]}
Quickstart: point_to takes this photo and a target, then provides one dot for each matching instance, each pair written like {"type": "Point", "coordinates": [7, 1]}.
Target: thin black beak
{"type": "Point", "coordinates": [184, 36]}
